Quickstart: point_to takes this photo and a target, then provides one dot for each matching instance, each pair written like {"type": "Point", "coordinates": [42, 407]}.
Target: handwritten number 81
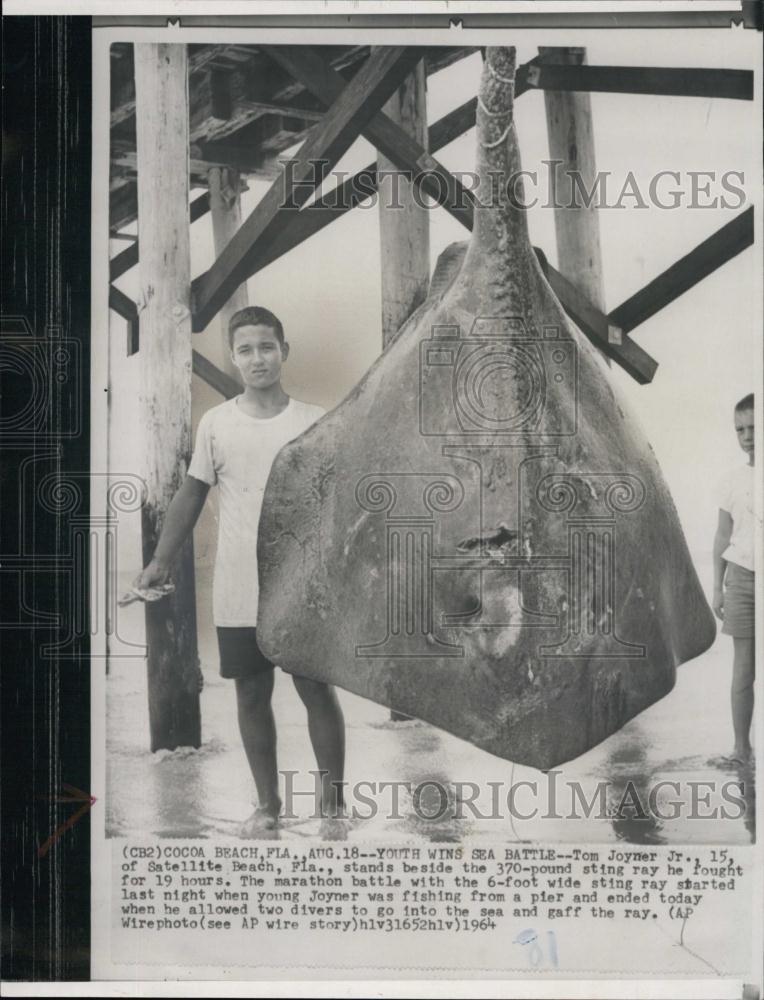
{"type": "Point", "coordinates": [530, 940]}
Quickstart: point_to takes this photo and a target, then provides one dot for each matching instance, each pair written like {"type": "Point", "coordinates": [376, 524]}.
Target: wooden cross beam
{"type": "Point", "coordinates": [374, 83]}
{"type": "Point", "coordinates": [736, 84]}
{"type": "Point", "coordinates": [324, 210]}
{"type": "Point", "coordinates": [408, 155]}
{"type": "Point", "coordinates": [728, 241]}
{"type": "Point", "coordinates": [603, 330]}
{"type": "Point", "coordinates": [124, 306]}
{"type": "Point", "coordinates": [720, 247]}
{"type": "Point", "coordinates": [390, 139]}
{"type": "Point", "coordinates": [129, 258]}
{"type": "Point", "coordinates": [213, 376]}
{"type": "Point", "coordinates": [123, 205]}
{"type": "Point", "coordinates": [356, 189]}
{"type": "Point", "coordinates": [598, 327]}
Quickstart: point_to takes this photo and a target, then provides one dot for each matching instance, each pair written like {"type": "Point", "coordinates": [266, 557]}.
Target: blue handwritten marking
{"type": "Point", "coordinates": [552, 940]}
{"type": "Point", "coordinates": [525, 937]}
{"type": "Point", "coordinates": [529, 938]}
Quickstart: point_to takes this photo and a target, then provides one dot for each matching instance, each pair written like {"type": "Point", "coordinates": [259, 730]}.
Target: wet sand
{"type": "Point", "coordinates": [679, 741]}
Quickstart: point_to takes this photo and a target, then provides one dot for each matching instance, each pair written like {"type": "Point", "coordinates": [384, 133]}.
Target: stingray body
{"type": "Point", "coordinates": [480, 535]}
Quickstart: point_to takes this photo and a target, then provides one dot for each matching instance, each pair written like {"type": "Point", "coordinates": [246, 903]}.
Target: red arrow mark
{"type": "Point", "coordinates": [74, 795]}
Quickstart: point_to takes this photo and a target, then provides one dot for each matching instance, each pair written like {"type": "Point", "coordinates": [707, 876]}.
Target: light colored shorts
{"type": "Point", "coordinates": [739, 620]}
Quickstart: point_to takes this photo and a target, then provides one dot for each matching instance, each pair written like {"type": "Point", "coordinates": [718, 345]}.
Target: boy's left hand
{"type": "Point", "coordinates": [718, 604]}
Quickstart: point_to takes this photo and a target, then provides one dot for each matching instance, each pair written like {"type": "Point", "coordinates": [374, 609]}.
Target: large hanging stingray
{"type": "Point", "coordinates": [480, 535]}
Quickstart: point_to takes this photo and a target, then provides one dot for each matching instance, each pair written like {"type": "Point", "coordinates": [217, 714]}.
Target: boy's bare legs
{"type": "Point", "coordinates": [741, 695]}
{"type": "Point", "coordinates": [326, 727]}
{"type": "Point", "coordinates": [258, 734]}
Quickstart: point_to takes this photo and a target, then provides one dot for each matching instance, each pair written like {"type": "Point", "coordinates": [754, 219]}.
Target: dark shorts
{"type": "Point", "coordinates": [240, 656]}
{"type": "Point", "coordinates": [739, 620]}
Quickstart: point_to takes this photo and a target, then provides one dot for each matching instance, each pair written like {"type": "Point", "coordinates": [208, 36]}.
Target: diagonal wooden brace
{"type": "Point", "coordinates": [356, 189]}
{"type": "Point", "coordinates": [320, 213]}
{"type": "Point", "coordinates": [124, 306]}
{"type": "Point", "coordinates": [129, 258]}
{"type": "Point", "coordinates": [390, 139]}
{"type": "Point", "coordinates": [219, 380]}
{"type": "Point", "coordinates": [598, 327]}
{"type": "Point", "coordinates": [702, 260]}
{"type": "Point", "coordinates": [404, 151]}
{"type": "Point", "coordinates": [357, 102]}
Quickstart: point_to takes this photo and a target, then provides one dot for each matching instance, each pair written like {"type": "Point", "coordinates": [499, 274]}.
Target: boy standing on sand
{"type": "Point", "coordinates": [734, 579]}
{"type": "Point", "coordinates": [236, 443]}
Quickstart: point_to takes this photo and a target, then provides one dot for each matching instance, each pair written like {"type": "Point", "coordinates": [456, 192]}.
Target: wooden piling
{"type": "Point", "coordinates": [162, 121]}
{"type": "Point", "coordinates": [404, 225]}
{"type": "Point", "coordinates": [225, 208]}
{"type": "Point", "coordinates": [571, 141]}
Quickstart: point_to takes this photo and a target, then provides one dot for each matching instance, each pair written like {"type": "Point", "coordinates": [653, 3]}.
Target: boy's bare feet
{"type": "Point", "coordinates": [743, 754]}
{"type": "Point", "coordinates": [334, 828]}
{"type": "Point", "coordinates": [261, 823]}
{"type": "Point", "coordinates": [735, 759]}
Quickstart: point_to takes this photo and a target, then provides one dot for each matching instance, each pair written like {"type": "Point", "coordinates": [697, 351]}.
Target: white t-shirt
{"type": "Point", "coordinates": [236, 451]}
{"type": "Point", "coordinates": [736, 497]}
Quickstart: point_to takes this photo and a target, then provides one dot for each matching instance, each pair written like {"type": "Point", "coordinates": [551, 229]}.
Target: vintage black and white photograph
{"type": "Point", "coordinates": [382, 522]}
{"type": "Point", "coordinates": [427, 387]}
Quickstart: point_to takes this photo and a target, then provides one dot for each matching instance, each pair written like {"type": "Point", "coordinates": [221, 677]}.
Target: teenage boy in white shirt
{"type": "Point", "coordinates": [734, 579]}
{"type": "Point", "coordinates": [236, 443]}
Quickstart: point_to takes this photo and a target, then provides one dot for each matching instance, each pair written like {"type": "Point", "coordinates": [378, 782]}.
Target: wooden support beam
{"type": "Point", "coordinates": [709, 255]}
{"type": "Point", "coordinates": [214, 377]}
{"type": "Point", "coordinates": [452, 125]}
{"type": "Point", "coordinates": [404, 225]}
{"type": "Point", "coordinates": [328, 141]}
{"type": "Point", "coordinates": [129, 258]}
{"type": "Point", "coordinates": [225, 208]}
{"type": "Point", "coordinates": [313, 218]}
{"type": "Point", "coordinates": [437, 58]}
{"type": "Point", "coordinates": [124, 104]}
{"type": "Point", "coordinates": [597, 327]}
{"type": "Point", "coordinates": [349, 194]}
{"type": "Point", "coordinates": [231, 58]}
{"type": "Point", "coordinates": [230, 98]}
{"type": "Point", "coordinates": [257, 157]}
{"type": "Point", "coordinates": [404, 151]}
{"type": "Point", "coordinates": [301, 225]}
{"type": "Point", "coordinates": [735, 84]}
{"type": "Point", "coordinates": [356, 189]}
{"type": "Point", "coordinates": [123, 205]}
{"type": "Point", "coordinates": [124, 306]}
{"type": "Point", "coordinates": [251, 139]}
{"type": "Point", "coordinates": [253, 152]}
{"type": "Point", "coordinates": [161, 74]}
{"type": "Point", "coordinates": [571, 142]}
